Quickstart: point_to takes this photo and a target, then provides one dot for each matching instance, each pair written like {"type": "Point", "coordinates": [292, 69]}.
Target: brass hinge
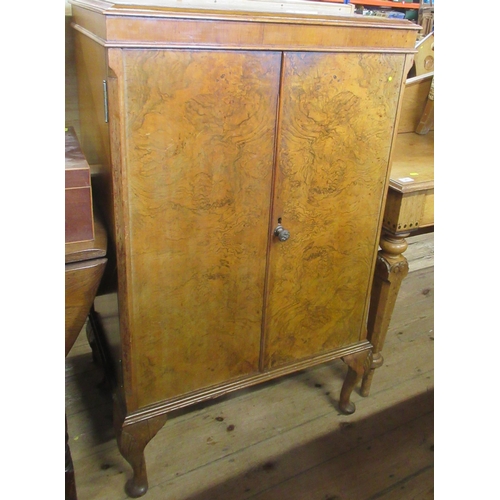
{"type": "Point", "coordinates": [105, 89]}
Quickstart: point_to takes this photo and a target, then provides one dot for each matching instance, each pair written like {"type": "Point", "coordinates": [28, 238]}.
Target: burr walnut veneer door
{"type": "Point", "coordinates": [200, 139]}
{"type": "Point", "coordinates": [337, 118]}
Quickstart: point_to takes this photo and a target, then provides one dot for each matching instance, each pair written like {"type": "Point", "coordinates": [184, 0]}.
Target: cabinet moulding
{"type": "Point", "coordinates": [257, 46]}
{"type": "Point", "coordinates": [243, 383]}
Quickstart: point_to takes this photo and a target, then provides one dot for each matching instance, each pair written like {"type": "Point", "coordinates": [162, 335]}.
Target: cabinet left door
{"type": "Point", "coordinates": [197, 132]}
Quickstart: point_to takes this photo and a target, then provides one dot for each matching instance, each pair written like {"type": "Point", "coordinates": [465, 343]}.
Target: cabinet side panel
{"type": "Point", "coordinates": [94, 138]}
{"type": "Point", "coordinates": [200, 128]}
{"type": "Point", "coordinates": [91, 71]}
{"type": "Point", "coordinates": [336, 126]}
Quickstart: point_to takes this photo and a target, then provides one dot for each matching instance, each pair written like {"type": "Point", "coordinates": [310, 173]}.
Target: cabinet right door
{"type": "Point", "coordinates": [336, 123]}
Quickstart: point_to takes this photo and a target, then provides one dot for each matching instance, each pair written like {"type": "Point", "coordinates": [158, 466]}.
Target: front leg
{"type": "Point", "coordinates": [132, 440]}
{"type": "Point", "coordinates": [358, 364]}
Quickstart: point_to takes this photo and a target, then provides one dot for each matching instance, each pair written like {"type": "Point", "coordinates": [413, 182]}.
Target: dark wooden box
{"type": "Point", "coordinates": [79, 218]}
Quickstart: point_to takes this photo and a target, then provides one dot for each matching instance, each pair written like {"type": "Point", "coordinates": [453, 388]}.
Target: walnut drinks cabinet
{"type": "Point", "coordinates": [241, 158]}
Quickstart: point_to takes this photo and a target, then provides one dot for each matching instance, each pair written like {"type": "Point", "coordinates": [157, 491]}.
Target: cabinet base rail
{"type": "Point", "coordinates": [134, 430]}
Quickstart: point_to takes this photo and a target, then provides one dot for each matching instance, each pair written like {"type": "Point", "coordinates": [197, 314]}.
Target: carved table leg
{"type": "Point", "coordinates": [132, 439]}
{"type": "Point", "coordinates": [391, 269]}
{"type": "Point", "coordinates": [358, 364]}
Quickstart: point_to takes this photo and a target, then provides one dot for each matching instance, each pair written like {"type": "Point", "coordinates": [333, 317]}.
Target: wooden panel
{"type": "Point", "coordinates": [428, 215]}
{"type": "Point", "coordinates": [91, 71]}
{"type": "Point", "coordinates": [413, 162]}
{"type": "Point", "coordinates": [404, 212]}
{"type": "Point", "coordinates": [72, 117]}
{"type": "Point", "coordinates": [79, 224]}
{"type": "Point", "coordinates": [410, 201]}
{"type": "Point", "coordinates": [92, 20]}
{"type": "Point", "coordinates": [199, 160]}
{"type": "Point", "coordinates": [414, 101]}
{"type": "Point", "coordinates": [424, 58]}
{"type": "Point", "coordinates": [92, 249]}
{"type": "Point", "coordinates": [78, 215]}
{"type": "Point", "coordinates": [337, 121]}
{"type": "Point", "coordinates": [171, 27]}
{"type": "Point", "coordinates": [409, 211]}
{"type": "Point", "coordinates": [194, 33]}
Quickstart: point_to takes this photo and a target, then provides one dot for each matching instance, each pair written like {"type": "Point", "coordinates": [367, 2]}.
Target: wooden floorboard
{"type": "Point", "coordinates": [285, 439]}
{"type": "Point", "coordinates": [418, 486]}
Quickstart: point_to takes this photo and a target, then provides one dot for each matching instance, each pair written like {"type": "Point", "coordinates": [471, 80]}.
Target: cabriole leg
{"type": "Point", "coordinates": [358, 364]}
{"type": "Point", "coordinates": [132, 440]}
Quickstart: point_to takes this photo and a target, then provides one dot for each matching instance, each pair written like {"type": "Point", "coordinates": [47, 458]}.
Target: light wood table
{"type": "Point", "coordinates": [409, 210]}
{"type": "Point", "coordinates": [410, 201]}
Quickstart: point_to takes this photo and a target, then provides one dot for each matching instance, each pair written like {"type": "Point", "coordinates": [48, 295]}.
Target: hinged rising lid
{"type": "Point", "coordinates": [271, 6]}
{"type": "Point", "coordinates": [247, 25]}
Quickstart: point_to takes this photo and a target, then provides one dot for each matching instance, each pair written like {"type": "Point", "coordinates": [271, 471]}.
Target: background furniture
{"type": "Point", "coordinates": [426, 16]}
{"type": "Point", "coordinates": [409, 210]}
{"type": "Point", "coordinates": [410, 201]}
{"type": "Point", "coordinates": [242, 179]}
{"type": "Point", "coordinates": [85, 251]}
{"type": "Point", "coordinates": [424, 58]}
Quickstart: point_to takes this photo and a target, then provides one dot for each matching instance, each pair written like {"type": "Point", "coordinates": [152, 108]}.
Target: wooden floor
{"type": "Point", "coordinates": [284, 440]}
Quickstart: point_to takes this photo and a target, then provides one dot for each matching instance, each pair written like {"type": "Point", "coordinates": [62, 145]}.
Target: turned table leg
{"type": "Point", "coordinates": [391, 269]}
{"type": "Point", "coordinates": [132, 440]}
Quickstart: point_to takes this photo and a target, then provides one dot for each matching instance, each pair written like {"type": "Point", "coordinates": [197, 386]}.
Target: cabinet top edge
{"type": "Point", "coordinates": [114, 9]}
